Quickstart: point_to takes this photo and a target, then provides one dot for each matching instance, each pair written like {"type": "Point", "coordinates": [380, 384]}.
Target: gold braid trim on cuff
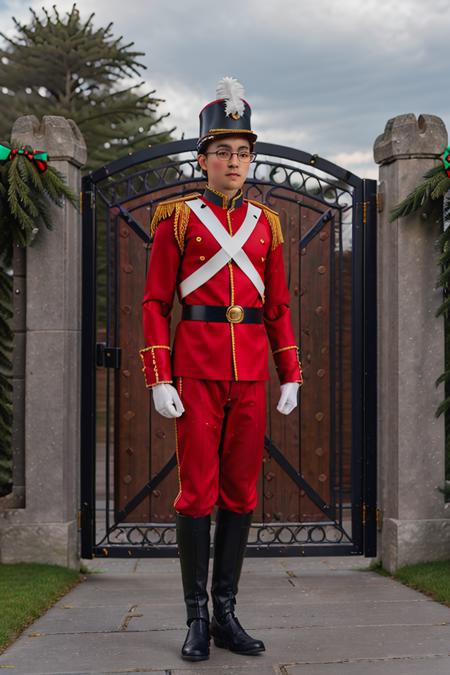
{"type": "Point", "coordinates": [282, 349]}
{"type": "Point", "coordinates": [155, 365]}
{"type": "Point", "coordinates": [146, 349]}
{"type": "Point", "coordinates": [150, 386]}
{"type": "Point", "coordinates": [274, 222]}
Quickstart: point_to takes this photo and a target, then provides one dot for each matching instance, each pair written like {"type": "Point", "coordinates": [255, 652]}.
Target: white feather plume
{"type": "Point", "coordinates": [233, 92]}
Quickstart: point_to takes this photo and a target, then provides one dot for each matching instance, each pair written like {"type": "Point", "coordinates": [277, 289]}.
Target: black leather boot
{"type": "Point", "coordinates": [193, 539]}
{"type": "Point", "coordinates": [230, 541]}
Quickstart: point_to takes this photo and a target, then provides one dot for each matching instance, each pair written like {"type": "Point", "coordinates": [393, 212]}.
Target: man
{"type": "Point", "coordinates": [222, 254]}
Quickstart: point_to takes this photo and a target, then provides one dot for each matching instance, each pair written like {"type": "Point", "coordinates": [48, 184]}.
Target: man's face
{"type": "Point", "coordinates": [226, 175]}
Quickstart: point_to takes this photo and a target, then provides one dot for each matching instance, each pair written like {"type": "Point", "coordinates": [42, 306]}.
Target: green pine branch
{"type": "Point", "coordinates": [434, 186]}
{"type": "Point", "coordinates": [26, 196]}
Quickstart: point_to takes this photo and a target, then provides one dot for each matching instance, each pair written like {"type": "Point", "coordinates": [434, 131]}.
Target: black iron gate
{"type": "Point", "coordinates": [318, 483]}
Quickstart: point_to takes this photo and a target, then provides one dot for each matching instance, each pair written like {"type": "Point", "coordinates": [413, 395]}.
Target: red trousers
{"type": "Point", "coordinates": [219, 444]}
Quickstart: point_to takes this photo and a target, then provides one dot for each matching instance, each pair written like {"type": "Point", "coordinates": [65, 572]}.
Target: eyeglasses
{"type": "Point", "coordinates": [225, 155]}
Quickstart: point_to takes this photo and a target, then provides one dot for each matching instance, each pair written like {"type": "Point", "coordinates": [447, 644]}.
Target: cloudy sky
{"type": "Point", "coordinates": [323, 76]}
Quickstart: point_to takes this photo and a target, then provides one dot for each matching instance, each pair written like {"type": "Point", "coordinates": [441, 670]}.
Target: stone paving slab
{"type": "Point", "coordinates": [166, 616]}
{"type": "Point", "coordinates": [317, 617]}
{"type": "Point", "coordinates": [402, 666]}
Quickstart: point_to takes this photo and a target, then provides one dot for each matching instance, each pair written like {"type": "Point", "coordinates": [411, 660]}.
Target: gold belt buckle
{"type": "Point", "coordinates": [235, 313]}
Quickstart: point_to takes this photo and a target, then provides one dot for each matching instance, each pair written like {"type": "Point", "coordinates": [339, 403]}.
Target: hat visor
{"type": "Point", "coordinates": [222, 133]}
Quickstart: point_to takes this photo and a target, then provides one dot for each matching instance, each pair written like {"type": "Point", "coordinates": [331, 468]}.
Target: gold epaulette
{"type": "Point", "coordinates": [176, 206]}
{"type": "Point", "coordinates": [274, 222]}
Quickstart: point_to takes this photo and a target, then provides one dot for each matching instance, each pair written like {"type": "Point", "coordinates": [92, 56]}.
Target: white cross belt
{"type": "Point", "coordinates": [231, 248]}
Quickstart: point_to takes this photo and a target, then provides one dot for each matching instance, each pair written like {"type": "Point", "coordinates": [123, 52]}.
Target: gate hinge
{"type": "Point", "coordinates": [379, 201]}
{"type": "Point", "coordinates": [379, 518]}
{"type": "Point", "coordinates": [108, 357]}
{"type": "Point", "coordinates": [364, 212]}
{"type": "Point", "coordinates": [90, 196]}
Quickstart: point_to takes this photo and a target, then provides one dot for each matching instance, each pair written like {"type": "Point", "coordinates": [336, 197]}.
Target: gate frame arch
{"type": "Point", "coordinates": [364, 476]}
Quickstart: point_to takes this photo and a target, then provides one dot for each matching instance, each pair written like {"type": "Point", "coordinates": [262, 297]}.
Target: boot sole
{"type": "Point", "coordinates": [195, 658]}
{"type": "Point", "coordinates": [224, 645]}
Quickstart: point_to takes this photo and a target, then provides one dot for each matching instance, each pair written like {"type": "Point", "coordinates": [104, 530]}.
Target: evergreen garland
{"type": "Point", "coordinates": [26, 195]}
{"type": "Point", "coordinates": [424, 196]}
{"type": "Point", "coordinates": [428, 196]}
{"type": "Point", "coordinates": [6, 417]}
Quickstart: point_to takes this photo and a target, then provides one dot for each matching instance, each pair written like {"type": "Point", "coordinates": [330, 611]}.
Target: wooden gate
{"type": "Point", "coordinates": [317, 486]}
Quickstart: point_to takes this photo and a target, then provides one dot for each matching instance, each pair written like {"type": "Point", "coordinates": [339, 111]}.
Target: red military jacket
{"type": "Point", "coordinates": [207, 349]}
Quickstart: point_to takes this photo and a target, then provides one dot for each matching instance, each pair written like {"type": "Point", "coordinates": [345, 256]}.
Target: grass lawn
{"type": "Point", "coordinates": [26, 591]}
{"type": "Point", "coordinates": [431, 578]}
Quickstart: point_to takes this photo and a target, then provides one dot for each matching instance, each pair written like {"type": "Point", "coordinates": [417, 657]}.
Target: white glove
{"type": "Point", "coordinates": [288, 398]}
{"type": "Point", "coordinates": [167, 401]}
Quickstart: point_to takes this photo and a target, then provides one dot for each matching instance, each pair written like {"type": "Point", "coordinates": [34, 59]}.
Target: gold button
{"type": "Point", "coordinates": [262, 241]}
{"type": "Point", "coordinates": [198, 238]}
{"type": "Point", "coordinates": [202, 257]}
{"type": "Point", "coordinates": [262, 258]}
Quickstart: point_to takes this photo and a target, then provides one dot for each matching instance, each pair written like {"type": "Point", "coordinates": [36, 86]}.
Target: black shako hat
{"type": "Point", "coordinates": [229, 114]}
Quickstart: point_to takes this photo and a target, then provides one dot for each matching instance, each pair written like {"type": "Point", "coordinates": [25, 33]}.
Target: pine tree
{"type": "Point", "coordinates": [64, 66]}
{"type": "Point", "coordinates": [61, 66]}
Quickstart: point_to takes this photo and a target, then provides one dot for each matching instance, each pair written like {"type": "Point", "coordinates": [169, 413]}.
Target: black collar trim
{"type": "Point", "coordinates": [222, 200]}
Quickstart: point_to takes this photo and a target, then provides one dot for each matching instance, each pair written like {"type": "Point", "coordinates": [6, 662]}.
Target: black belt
{"type": "Point", "coordinates": [232, 313]}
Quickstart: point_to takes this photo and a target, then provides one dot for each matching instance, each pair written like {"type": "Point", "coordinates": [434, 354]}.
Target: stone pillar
{"type": "Point", "coordinates": [45, 530]}
{"type": "Point", "coordinates": [415, 517]}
